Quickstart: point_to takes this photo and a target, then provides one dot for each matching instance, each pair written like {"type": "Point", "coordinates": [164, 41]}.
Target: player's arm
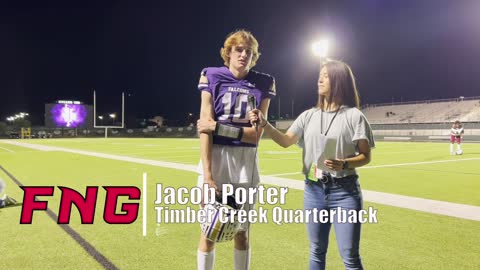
{"type": "Point", "coordinates": [206, 113]}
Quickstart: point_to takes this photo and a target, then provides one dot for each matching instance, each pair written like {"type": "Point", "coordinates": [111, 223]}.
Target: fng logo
{"type": "Point", "coordinates": [85, 205]}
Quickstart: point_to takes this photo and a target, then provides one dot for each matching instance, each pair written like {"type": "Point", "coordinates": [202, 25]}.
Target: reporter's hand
{"type": "Point", "coordinates": [256, 116]}
{"type": "Point", "coordinates": [334, 164]}
{"type": "Point", "coordinates": [206, 125]}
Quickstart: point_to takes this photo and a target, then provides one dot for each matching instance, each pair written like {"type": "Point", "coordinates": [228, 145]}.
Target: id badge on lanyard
{"type": "Point", "coordinates": [323, 145]}
{"type": "Point", "coordinates": [315, 171]}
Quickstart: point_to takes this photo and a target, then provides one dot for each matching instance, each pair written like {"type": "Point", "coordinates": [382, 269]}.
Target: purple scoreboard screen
{"type": "Point", "coordinates": [68, 115]}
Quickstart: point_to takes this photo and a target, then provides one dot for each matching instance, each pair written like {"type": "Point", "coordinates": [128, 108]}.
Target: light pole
{"type": "Point", "coordinates": [190, 119]}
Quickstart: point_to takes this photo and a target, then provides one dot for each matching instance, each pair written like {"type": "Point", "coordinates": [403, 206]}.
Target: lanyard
{"type": "Point", "coordinates": [329, 125]}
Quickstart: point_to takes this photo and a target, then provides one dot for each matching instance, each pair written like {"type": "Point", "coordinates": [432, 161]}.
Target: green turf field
{"type": "Point", "coordinates": [402, 239]}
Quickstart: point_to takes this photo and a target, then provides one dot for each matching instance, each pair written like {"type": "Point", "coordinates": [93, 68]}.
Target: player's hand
{"type": "Point", "coordinates": [256, 117]}
{"type": "Point", "coordinates": [211, 184]}
{"type": "Point", "coordinates": [334, 164]}
{"type": "Point", "coordinates": [206, 125]}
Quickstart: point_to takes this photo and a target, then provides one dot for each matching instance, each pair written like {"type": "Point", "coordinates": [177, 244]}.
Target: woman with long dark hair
{"type": "Point", "coordinates": [333, 184]}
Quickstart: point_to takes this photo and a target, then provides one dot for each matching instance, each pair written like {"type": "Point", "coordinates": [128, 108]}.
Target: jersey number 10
{"type": "Point", "coordinates": [235, 108]}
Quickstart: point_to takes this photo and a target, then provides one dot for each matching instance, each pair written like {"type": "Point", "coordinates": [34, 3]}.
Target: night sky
{"type": "Point", "coordinates": [154, 51]}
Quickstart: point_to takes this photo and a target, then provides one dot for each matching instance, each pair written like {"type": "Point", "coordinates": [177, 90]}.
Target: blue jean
{"type": "Point", "coordinates": [344, 193]}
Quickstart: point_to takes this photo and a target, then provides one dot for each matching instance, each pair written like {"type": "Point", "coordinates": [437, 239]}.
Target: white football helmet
{"type": "Point", "coordinates": [216, 231]}
{"type": "Point", "coordinates": [2, 186]}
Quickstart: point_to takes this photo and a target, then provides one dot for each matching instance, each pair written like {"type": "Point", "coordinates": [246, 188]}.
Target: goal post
{"type": "Point", "coordinates": [95, 115]}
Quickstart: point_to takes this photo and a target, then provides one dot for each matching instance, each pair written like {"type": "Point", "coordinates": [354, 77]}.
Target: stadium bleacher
{"type": "Point", "coordinates": [428, 120]}
{"type": "Point", "coordinates": [424, 120]}
{"type": "Point", "coordinates": [429, 111]}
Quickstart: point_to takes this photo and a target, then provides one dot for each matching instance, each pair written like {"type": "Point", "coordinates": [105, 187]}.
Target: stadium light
{"type": "Point", "coordinates": [122, 118]}
{"type": "Point", "coordinates": [20, 115]}
{"type": "Point", "coordinates": [320, 48]}
{"type": "Point", "coordinates": [100, 117]}
{"type": "Point", "coordinates": [112, 115]}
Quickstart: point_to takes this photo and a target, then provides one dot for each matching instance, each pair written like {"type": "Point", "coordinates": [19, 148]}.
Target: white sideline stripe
{"type": "Point", "coordinates": [184, 167]}
{"type": "Point", "coordinates": [425, 205]}
{"type": "Point", "coordinates": [6, 149]}
{"type": "Point", "coordinates": [463, 211]}
{"type": "Point", "coordinates": [31, 146]}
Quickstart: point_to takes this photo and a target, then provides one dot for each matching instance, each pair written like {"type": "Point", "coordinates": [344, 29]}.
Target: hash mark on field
{"type": "Point", "coordinates": [160, 231]}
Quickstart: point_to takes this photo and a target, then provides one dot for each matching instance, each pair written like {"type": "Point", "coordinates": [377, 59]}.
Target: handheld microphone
{"type": "Point", "coordinates": [253, 104]}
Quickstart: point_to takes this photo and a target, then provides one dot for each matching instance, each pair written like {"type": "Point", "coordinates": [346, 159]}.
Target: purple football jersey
{"type": "Point", "coordinates": [231, 100]}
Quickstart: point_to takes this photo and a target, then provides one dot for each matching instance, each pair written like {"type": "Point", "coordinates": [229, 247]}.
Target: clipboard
{"type": "Point", "coordinates": [329, 152]}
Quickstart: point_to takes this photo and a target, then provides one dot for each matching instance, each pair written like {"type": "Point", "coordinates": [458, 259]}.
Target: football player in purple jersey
{"type": "Point", "coordinates": [227, 138]}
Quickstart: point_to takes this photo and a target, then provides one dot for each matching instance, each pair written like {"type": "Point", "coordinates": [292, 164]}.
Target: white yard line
{"type": "Point", "coordinates": [283, 174]}
{"type": "Point", "coordinates": [417, 163]}
{"type": "Point", "coordinates": [393, 165]}
{"type": "Point", "coordinates": [293, 158]}
{"type": "Point", "coordinates": [425, 205]}
{"type": "Point", "coordinates": [6, 149]}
